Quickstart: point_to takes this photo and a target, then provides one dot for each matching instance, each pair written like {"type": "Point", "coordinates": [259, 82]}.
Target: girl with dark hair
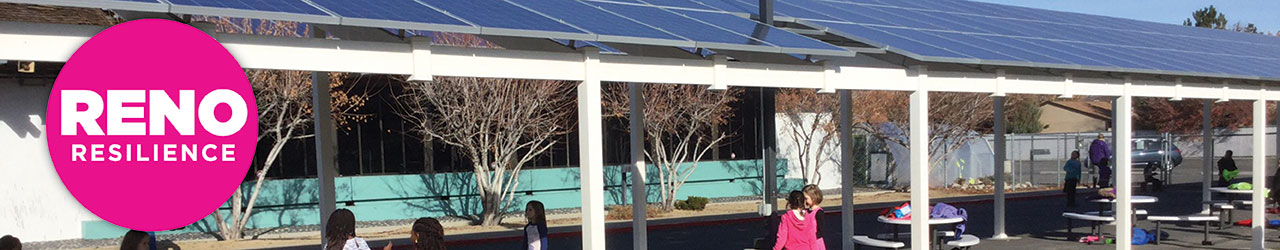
{"type": "Point", "coordinates": [535, 233]}
{"type": "Point", "coordinates": [135, 240]}
{"type": "Point", "coordinates": [8, 242]}
{"type": "Point", "coordinates": [427, 234]}
{"type": "Point", "coordinates": [340, 232]}
{"type": "Point", "coordinates": [796, 231]}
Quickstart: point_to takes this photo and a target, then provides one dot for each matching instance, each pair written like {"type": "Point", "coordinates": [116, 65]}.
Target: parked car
{"type": "Point", "coordinates": [1150, 153]}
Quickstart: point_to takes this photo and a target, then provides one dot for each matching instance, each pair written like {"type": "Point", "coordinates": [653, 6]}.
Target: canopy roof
{"type": "Point", "coordinates": [940, 31]}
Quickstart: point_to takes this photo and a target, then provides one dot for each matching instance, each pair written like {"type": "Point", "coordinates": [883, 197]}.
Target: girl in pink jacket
{"type": "Point", "coordinates": [796, 231]}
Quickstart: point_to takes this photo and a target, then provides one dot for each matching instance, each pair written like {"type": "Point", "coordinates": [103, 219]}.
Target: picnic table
{"type": "Point", "coordinates": [895, 223]}
{"type": "Point", "coordinates": [1136, 199]}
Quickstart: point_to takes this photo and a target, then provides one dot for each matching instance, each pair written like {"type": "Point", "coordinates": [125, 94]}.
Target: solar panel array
{"type": "Point", "coordinates": [961, 31]}
{"type": "Point", "coordinates": [955, 31]}
{"type": "Point", "coordinates": [622, 22]}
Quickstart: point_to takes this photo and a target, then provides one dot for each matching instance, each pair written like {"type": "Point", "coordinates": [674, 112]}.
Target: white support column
{"type": "Point", "coordinates": [1259, 171]}
{"type": "Point", "coordinates": [999, 148]}
{"type": "Point", "coordinates": [421, 51]}
{"type": "Point", "coordinates": [846, 169]}
{"type": "Point", "coordinates": [1124, 164]}
{"type": "Point", "coordinates": [1206, 164]}
{"type": "Point", "coordinates": [591, 152]}
{"type": "Point", "coordinates": [639, 195]}
{"type": "Point", "coordinates": [919, 156]}
{"type": "Point", "coordinates": [326, 139]}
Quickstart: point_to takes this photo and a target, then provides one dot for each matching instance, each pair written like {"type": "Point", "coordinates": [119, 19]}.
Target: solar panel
{"type": "Point", "coordinates": [577, 44]}
{"type": "Point", "coordinates": [965, 31]}
{"type": "Point", "coordinates": [293, 10]}
{"type": "Point", "coordinates": [734, 6]}
{"type": "Point", "coordinates": [789, 42]}
{"type": "Point", "coordinates": [608, 26]}
{"type": "Point", "coordinates": [894, 42]}
{"type": "Point", "coordinates": [498, 17]}
{"type": "Point", "coordinates": [677, 3]}
{"type": "Point", "coordinates": [401, 14]}
{"type": "Point", "coordinates": [703, 34]}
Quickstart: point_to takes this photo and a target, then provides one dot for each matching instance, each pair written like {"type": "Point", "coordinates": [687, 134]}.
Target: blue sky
{"type": "Point", "coordinates": [1263, 13]}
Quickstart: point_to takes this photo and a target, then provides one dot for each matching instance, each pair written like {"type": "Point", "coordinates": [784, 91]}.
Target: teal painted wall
{"type": "Point", "coordinates": [292, 202]}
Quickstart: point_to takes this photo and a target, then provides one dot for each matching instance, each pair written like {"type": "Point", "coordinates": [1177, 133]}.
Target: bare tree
{"type": "Point", "coordinates": [284, 110]}
{"type": "Point", "coordinates": [679, 122]}
{"type": "Point", "coordinates": [952, 116]}
{"type": "Point", "coordinates": [500, 124]}
{"type": "Point", "coordinates": [810, 121]}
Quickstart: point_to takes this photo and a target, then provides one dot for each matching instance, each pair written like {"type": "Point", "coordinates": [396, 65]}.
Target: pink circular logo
{"type": "Point", "coordinates": [152, 125]}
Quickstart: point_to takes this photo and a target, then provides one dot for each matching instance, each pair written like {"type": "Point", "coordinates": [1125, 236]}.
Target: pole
{"type": "Point", "coordinates": [1259, 173]}
{"type": "Point", "coordinates": [591, 152]}
{"type": "Point", "coordinates": [326, 144]}
{"type": "Point", "coordinates": [639, 195]}
{"type": "Point", "coordinates": [1124, 173]}
{"type": "Point", "coordinates": [999, 149]}
{"type": "Point", "coordinates": [846, 169]}
{"type": "Point", "coordinates": [1206, 167]}
{"type": "Point", "coordinates": [919, 155]}
{"type": "Point", "coordinates": [768, 135]}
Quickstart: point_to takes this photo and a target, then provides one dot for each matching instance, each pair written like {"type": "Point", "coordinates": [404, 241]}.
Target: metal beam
{"type": "Point", "coordinates": [999, 148]}
{"type": "Point", "coordinates": [769, 145]}
{"type": "Point", "coordinates": [1123, 173]}
{"type": "Point", "coordinates": [1259, 173]}
{"type": "Point", "coordinates": [639, 195]}
{"type": "Point", "coordinates": [846, 169]}
{"type": "Point", "coordinates": [326, 138]}
{"type": "Point", "coordinates": [919, 156]}
{"type": "Point", "coordinates": [766, 12]}
{"type": "Point", "coordinates": [591, 152]}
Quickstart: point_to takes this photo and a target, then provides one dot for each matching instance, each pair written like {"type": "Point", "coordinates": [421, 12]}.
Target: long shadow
{"type": "Point", "coordinates": [450, 194]}
{"type": "Point", "coordinates": [24, 108]}
{"type": "Point", "coordinates": [296, 199]}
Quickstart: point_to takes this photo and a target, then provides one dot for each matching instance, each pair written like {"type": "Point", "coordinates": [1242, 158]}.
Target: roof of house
{"type": "Point", "coordinates": [56, 14]}
{"type": "Point", "coordinates": [1096, 109]}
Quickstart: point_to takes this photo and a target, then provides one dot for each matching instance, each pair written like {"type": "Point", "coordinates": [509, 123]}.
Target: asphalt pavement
{"type": "Point", "coordinates": [1033, 219]}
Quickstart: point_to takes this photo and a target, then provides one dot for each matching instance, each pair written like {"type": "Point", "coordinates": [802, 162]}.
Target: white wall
{"type": "Point", "coordinates": [35, 207]}
{"type": "Point", "coordinates": [828, 164]}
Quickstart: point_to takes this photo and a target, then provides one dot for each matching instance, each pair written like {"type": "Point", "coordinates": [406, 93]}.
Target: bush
{"type": "Point", "coordinates": [693, 203]}
{"type": "Point", "coordinates": [623, 212]}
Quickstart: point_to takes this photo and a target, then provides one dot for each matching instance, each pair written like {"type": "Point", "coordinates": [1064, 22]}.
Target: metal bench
{"type": "Point", "coordinates": [1194, 218]}
{"type": "Point", "coordinates": [1138, 212]}
{"type": "Point", "coordinates": [861, 240]}
{"type": "Point", "coordinates": [1229, 215]}
{"type": "Point", "coordinates": [965, 242]}
{"type": "Point", "coordinates": [1094, 221]}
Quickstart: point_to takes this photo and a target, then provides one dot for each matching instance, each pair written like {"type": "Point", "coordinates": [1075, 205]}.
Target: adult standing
{"type": "Point", "coordinates": [1100, 156]}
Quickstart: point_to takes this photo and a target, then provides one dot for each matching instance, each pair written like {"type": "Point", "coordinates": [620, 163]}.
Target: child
{"type": "Point", "coordinates": [340, 232]}
{"type": "Point", "coordinates": [135, 240]}
{"type": "Point", "coordinates": [427, 234]}
{"type": "Point", "coordinates": [535, 233]}
{"type": "Point", "coordinates": [813, 201]}
{"type": "Point", "coordinates": [795, 232]}
{"type": "Point", "coordinates": [8, 242]}
{"type": "Point", "coordinates": [1072, 179]}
